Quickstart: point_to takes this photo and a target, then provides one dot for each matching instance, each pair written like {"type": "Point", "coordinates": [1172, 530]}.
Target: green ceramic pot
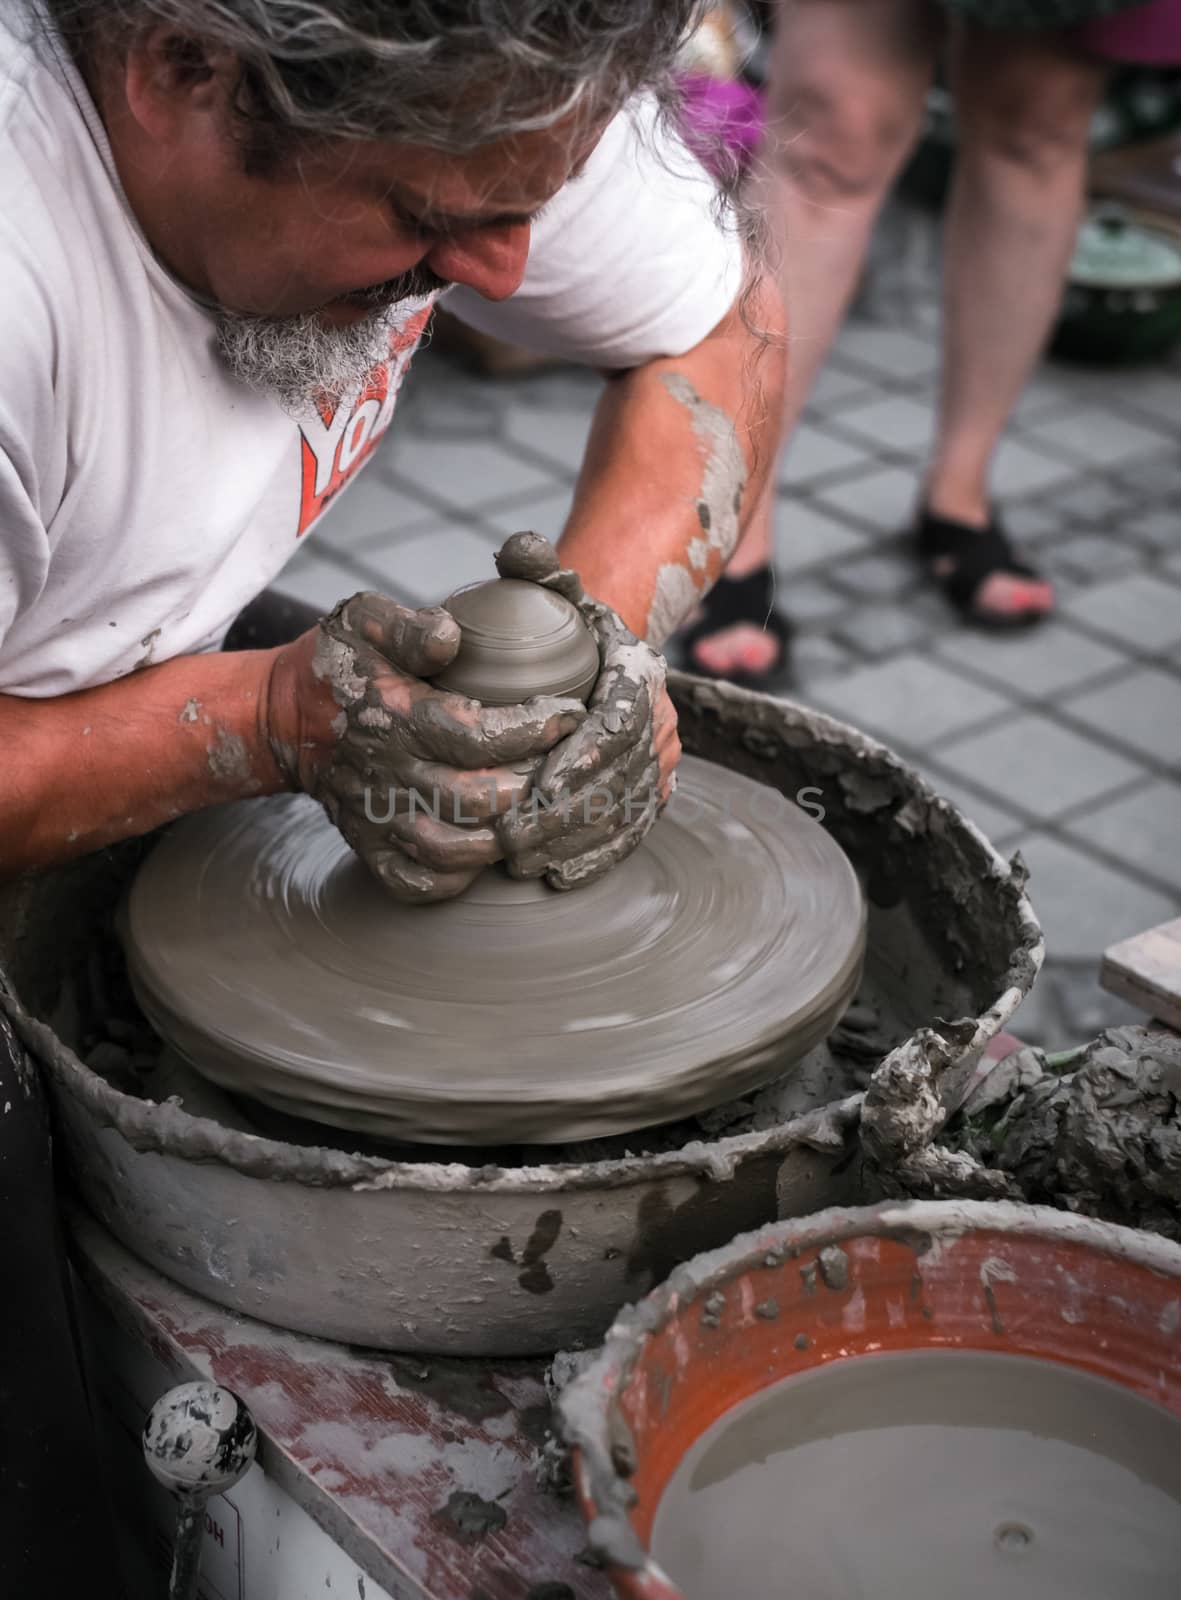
{"type": "Point", "coordinates": [1123, 294]}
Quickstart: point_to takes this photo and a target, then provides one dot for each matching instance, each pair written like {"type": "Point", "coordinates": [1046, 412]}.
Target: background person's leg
{"type": "Point", "coordinates": [55, 1526]}
{"type": "Point", "coordinates": [1023, 109]}
{"type": "Point", "coordinates": [845, 105]}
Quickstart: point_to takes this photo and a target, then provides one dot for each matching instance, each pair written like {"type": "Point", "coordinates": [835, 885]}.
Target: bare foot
{"type": "Point", "coordinates": [742, 647]}
{"type": "Point", "coordinates": [1004, 595]}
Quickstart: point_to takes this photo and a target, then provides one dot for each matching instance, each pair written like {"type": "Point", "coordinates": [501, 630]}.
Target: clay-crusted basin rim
{"type": "Point", "coordinates": [588, 1409]}
{"type": "Point", "coordinates": [170, 1130]}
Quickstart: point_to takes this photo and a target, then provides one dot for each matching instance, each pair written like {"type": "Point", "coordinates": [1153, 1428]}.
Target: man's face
{"type": "Point", "coordinates": [307, 259]}
{"type": "Point", "coordinates": [342, 230]}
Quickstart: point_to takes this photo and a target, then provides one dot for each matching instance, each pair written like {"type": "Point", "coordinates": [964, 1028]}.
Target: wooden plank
{"type": "Point", "coordinates": [1146, 970]}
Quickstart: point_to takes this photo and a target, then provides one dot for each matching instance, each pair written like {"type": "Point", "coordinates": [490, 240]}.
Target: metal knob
{"type": "Point", "coordinates": [198, 1441]}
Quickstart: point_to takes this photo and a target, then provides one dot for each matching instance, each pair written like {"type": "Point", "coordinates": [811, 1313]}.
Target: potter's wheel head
{"type": "Point", "coordinates": [699, 969]}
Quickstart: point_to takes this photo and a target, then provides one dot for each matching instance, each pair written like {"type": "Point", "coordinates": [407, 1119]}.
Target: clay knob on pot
{"type": "Point", "coordinates": [519, 639]}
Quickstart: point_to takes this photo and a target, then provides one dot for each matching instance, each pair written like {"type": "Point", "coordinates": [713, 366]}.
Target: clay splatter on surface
{"type": "Point", "coordinates": [469, 1517]}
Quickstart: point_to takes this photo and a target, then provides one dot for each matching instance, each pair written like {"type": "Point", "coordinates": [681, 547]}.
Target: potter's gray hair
{"type": "Point", "coordinates": [451, 75]}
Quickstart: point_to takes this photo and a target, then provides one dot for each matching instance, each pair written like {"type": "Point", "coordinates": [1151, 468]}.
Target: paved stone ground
{"type": "Point", "coordinates": [1064, 743]}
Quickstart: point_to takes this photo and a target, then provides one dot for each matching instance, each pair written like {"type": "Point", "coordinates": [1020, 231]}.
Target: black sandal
{"type": "Point", "coordinates": [750, 598]}
{"type": "Point", "coordinates": [977, 554]}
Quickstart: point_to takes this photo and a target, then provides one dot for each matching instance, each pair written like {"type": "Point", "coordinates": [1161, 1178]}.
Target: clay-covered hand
{"type": "Point", "coordinates": [603, 787]}
{"type": "Point", "coordinates": [412, 776]}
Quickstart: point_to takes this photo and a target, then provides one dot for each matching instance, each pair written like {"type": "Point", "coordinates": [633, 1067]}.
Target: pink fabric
{"type": "Point", "coordinates": [1148, 34]}
{"type": "Point", "coordinates": [715, 111]}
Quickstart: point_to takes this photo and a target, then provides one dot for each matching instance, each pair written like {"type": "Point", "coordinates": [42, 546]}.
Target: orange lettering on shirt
{"type": "Point", "coordinates": [336, 443]}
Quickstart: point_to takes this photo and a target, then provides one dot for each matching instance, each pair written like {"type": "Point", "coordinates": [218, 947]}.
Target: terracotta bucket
{"type": "Point", "coordinates": [925, 1276]}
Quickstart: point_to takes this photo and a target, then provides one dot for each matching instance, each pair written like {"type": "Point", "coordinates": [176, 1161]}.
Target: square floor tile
{"type": "Point", "coordinates": [811, 453]}
{"type": "Point", "coordinates": [1094, 502]}
{"type": "Point", "coordinates": [469, 474]}
{"type": "Point", "coordinates": [1088, 556]}
{"type": "Point", "coordinates": [890, 351]}
{"type": "Point", "coordinates": [805, 537]}
{"type": "Point", "coordinates": [317, 579]}
{"type": "Point", "coordinates": [878, 577]}
{"type": "Point", "coordinates": [809, 600]}
{"type": "Point", "coordinates": [1047, 659]}
{"type": "Point", "coordinates": [1020, 469]}
{"type": "Point", "coordinates": [1143, 829]}
{"type": "Point", "coordinates": [1141, 709]}
{"type": "Point", "coordinates": [1160, 529]}
{"type": "Point", "coordinates": [1086, 1008]}
{"type": "Point", "coordinates": [1038, 765]}
{"type": "Point", "coordinates": [560, 436]}
{"type": "Point", "coordinates": [834, 388]}
{"type": "Point", "coordinates": [909, 699]}
{"type": "Point", "coordinates": [428, 567]}
{"type": "Point", "coordinates": [1155, 476]}
{"type": "Point", "coordinates": [891, 422]}
{"type": "Point", "coordinates": [883, 629]}
{"type": "Point", "coordinates": [543, 513]}
{"type": "Point", "coordinates": [1159, 395]}
{"type": "Point", "coordinates": [1141, 611]}
{"type": "Point", "coordinates": [817, 656]}
{"type": "Point", "coordinates": [375, 506]}
{"type": "Point", "coordinates": [884, 498]}
{"type": "Point", "coordinates": [1084, 905]}
{"type": "Point", "coordinates": [1098, 436]}
{"type": "Point", "coordinates": [1032, 521]}
{"type": "Point", "coordinates": [451, 407]}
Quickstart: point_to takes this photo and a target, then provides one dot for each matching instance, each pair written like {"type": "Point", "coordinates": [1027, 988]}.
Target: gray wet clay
{"type": "Point", "coordinates": [518, 640]}
{"type": "Point", "coordinates": [698, 970]}
{"type": "Point", "coordinates": [927, 1475]}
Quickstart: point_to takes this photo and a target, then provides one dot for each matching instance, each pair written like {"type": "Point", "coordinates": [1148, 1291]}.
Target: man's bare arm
{"type": "Point", "coordinates": [675, 463]}
{"type": "Point", "coordinates": [85, 769]}
{"type": "Point", "coordinates": [345, 707]}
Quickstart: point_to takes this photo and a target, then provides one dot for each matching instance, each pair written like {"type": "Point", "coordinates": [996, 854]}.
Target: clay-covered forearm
{"type": "Point", "coordinates": [674, 467]}
{"type": "Point", "coordinates": [83, 770]}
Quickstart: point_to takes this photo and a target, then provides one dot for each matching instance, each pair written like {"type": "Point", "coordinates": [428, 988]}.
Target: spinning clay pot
{"type": "Point", "coordinates": [702, 966]}
{"type": "Point", "coordinates": [519, 640]}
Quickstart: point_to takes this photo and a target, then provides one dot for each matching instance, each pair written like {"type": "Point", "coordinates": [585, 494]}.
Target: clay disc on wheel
{"type": "Point", "coordinates": [700, 968]}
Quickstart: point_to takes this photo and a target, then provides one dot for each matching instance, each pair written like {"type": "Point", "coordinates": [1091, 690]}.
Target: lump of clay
{"type": "Point", "coordinates": [519, 640]}
{"type": "Point", "coordinates": [1095, 1130]}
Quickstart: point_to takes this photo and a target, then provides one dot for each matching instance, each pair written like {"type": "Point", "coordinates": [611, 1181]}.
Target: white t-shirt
{"type": "Point", "coordinates": [145, 495]}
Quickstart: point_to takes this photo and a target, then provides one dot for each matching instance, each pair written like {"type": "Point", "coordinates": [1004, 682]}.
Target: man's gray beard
{"type": "Point", "coordinates": [301, 362]}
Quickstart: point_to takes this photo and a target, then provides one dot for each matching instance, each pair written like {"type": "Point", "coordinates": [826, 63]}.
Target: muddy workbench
{"type": "Point", "coordinates": [377, 1475]}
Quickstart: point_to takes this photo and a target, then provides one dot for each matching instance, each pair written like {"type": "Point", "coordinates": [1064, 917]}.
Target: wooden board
{"type": "Point", "coordinates": [1146, 970]}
